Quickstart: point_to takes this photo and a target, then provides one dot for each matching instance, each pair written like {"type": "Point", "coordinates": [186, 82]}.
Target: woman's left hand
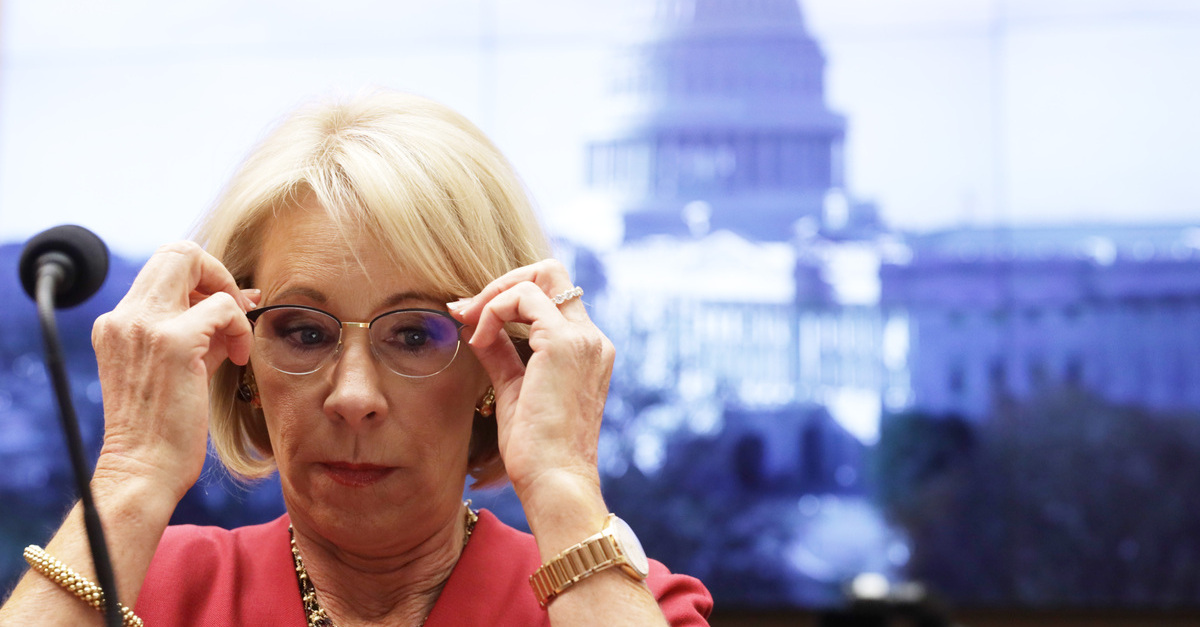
{"type": "Point", "coordinates": [548, 411]}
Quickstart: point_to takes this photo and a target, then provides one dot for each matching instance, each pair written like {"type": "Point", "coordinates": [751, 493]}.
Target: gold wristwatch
{"type": "Point", "coordinates": [615, 545]}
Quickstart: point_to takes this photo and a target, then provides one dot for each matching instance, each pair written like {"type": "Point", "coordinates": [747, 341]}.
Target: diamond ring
{"type": "Point", "coordinates": [571, 294]}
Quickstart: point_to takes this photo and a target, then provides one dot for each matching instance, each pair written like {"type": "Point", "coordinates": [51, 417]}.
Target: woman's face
{"type": "Point", "coordinates": [364, 454]}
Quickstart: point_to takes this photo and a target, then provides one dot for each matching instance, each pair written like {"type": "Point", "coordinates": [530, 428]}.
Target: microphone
{"type": "Point", "coordinates": [77, 255]}
{"type": "Point", "coordinates": [64, 266]}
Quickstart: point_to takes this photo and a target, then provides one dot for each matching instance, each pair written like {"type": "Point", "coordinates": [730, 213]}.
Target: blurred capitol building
{"type": "Point", "coordinates": [756, 296]}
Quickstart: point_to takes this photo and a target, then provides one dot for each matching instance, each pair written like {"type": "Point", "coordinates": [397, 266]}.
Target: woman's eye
{"type": "Point", "coordinates": [415, 333]}
{"type": "Point", "coordinates": [305, 336]}
{"type": "Point", "coordinates": [308, 336]}
{"type": "Point", "coordinates": [412, 338]}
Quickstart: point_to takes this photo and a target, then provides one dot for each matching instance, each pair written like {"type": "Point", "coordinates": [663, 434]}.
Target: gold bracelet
{"type": "Point", "coordinates": [75, 583]}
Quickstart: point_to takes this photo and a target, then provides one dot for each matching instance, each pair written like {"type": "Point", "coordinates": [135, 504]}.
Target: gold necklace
{"type": "Point", "coordinates": [317, 617]}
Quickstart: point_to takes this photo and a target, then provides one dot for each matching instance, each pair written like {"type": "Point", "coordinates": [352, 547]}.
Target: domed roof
{"type": "Point", "coordinates": [733, 63]}
{"type": "Point", "coordinates": [728, 15]}
{"type": "Point", "coordinates": [723, 101]}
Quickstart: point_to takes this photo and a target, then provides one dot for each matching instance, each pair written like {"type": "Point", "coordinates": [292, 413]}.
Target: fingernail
{"type": "Point", "coordinates": [479, 340]}
{"type": "Point", "coordinates": [459, 305]}
{"type": "Point", "coordinates": [251, 295]}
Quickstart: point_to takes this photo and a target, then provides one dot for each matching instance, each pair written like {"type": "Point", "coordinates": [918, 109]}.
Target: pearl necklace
{"type": "Point", "coordinates": [317, 617]}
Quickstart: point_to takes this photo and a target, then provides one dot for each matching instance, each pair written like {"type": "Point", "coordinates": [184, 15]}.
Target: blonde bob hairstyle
{"type": "Point", "coordinates": [411, 172]}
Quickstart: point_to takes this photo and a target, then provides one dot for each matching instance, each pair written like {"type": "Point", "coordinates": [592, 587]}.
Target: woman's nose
{"type": "Point", "coordinates": [357, 395]}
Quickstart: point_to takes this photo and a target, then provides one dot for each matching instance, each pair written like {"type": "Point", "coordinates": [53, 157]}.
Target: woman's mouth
{"type": "Point", "coordinates": [356, 475]}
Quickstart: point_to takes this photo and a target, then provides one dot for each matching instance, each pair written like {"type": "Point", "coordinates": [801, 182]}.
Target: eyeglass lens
{"type": "Point", "coordinates": [413, 342]}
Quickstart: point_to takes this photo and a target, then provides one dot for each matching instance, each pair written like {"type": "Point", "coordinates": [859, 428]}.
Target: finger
{"type": "Point", "coordinates": [524, 303]}
{"type": "Point", "coordinates": [572, 306]}
{"type": "Point", "coordinates": [184, 264]}
{"type": "Point", "coordinates": [251, 294]}
{"type": "Point", "coordinates": [500, 360]}
{"type": "Point", "coordinates": [215, 329]}
{"type": "Point", "coordinates": [549, 275]}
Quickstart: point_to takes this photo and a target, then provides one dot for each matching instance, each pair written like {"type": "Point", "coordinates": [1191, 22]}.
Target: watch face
{"type": "Point", "coordinates": [631, 547]}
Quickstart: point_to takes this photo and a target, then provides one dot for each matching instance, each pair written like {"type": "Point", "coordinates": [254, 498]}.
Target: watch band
{"type": "Point", "coordinates": [580, 561]}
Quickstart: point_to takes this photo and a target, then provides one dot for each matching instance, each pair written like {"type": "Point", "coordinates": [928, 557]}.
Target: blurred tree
{"type": "Point", "coordinates": [1064, 499]}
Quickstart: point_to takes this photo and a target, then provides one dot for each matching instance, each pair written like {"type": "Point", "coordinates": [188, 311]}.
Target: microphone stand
{"type": "Point", "coordinates": [49, 277]}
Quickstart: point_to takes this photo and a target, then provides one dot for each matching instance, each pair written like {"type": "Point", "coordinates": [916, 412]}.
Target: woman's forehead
{"type": "Point", "coordinates": [308, 248]}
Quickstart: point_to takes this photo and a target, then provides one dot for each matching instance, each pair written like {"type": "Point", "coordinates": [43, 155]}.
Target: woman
{"type": "Point", "coordinates": [373, 318]}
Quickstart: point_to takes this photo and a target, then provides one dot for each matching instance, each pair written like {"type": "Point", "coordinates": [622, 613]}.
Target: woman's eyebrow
{"type": "Point", "coordinates": [401, 298]}
{"type": "Point", "coordinates": [398, 299]}
{"type": "Point", "coordinates": [306, 292]}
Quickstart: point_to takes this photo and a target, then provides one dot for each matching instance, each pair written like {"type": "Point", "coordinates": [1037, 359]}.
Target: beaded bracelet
{"type": "Point", "coordinates": [75, 583]}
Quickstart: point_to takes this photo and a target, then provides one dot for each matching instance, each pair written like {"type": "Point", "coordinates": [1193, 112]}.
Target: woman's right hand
{"type": "Point", "coordinates": [156, 352]}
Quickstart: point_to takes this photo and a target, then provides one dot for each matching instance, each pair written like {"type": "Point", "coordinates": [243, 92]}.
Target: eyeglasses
{"type": "Point", "coordinates": [414, 343]}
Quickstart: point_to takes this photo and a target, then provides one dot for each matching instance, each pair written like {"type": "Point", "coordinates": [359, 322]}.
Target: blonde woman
{"type": "Point", "coordinates": [372, 316]}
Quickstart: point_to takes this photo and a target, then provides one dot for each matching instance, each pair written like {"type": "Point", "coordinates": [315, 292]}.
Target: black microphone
{"type": "Point", "coordinates": [77, 254]}
{"type": "Point", "coordinates": [63, 267]}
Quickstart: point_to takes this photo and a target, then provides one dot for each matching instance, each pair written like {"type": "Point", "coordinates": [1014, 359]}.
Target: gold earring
{"type": "Point", "coordinates": [247, 392]}
{"type": "Point", "coordinates": [487, 406]}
